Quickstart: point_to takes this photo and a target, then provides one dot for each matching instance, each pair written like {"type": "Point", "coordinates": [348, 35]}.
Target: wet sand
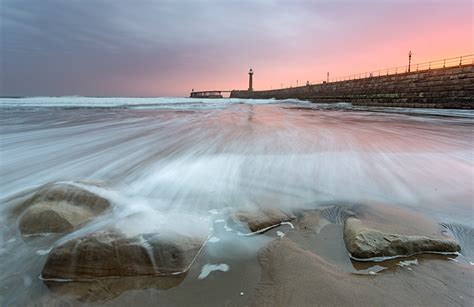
{"type": "Point", "coordinates": [293, 276]}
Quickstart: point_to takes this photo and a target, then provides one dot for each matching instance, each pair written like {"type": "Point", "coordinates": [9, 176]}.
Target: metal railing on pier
{"type": "Point", "coordinates": [449, 62]}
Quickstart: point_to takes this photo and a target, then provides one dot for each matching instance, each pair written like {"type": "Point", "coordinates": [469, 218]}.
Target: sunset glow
{"type": "Point", "coordinates": [153, 48]}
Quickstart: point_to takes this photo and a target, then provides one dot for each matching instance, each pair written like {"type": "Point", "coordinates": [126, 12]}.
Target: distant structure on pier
{"type": "Point", "coordinates": [208, 94]}
{"type": "Point", "coordinates": [218, 93]}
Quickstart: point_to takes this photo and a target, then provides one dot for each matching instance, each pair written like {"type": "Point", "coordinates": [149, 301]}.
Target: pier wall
{"type": "Point", "coordinates": [451, 87]}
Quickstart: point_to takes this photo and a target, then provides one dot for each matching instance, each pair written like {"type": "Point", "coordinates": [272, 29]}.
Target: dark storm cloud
{"type": "Point", "coordinates": [98, 47]}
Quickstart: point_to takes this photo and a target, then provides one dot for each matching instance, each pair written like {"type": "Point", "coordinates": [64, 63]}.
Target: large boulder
{"type": "Point", "coordinates": [110, 253]}
{"type": "Point", "coordinates": [60, 207]}
{"type": "Point", "coordinates": [363, 242]}
{"type": "Point", "coordinates": [258, 220]}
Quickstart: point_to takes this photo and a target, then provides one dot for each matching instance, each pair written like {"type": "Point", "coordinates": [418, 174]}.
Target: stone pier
{"type": "Point", "coordinates": [451, 87]}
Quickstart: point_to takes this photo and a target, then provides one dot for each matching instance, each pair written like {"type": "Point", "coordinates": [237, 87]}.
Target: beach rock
{"type": "Point", "coordinates": [59, 208]}
{"type": "Point", "coordinates": [364, 243]}
{"type": "Point", "coordinates": [110, 253]}
{"type": "Point", "coordinates": [259, 219]}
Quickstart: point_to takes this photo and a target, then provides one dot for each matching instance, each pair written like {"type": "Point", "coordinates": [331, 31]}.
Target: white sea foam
{"type": "Point", "coordinates": [289, 224]}
{"type": "Point", "coordinates": [209, 268]}
{"type": "Point", "coordinates": [407, 262]}
{"type": "Point", "coordinates": [43, 252]}
{"type": "Point", "coordinates": [213, 211]}
{"type": "Point", "coordinates": [126, 102]}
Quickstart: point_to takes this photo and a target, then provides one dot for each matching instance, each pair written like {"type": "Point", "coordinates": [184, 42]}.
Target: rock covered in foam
{"type": "Point", "coordinates": [363, 242]}
{"type": "Point", "coordinates": [111, 253]}
{"type": "Point", "coordinates": [259, 219]}
{"type": "Point", "coordinates": [61, 207]}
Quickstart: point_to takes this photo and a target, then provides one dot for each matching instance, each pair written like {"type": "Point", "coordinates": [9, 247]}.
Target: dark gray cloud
{"type": "Point", "coordinates": [99, 47]}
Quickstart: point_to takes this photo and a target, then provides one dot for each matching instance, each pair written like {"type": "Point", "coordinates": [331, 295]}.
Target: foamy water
{"type": "Point", "coordinates": [163, 157]}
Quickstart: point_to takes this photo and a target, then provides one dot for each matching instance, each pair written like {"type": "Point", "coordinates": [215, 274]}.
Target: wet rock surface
{"type": "Point", "coordinates": [105, 289]}
{"type": "Point", "coordinates": [363, 242]}
{"type": "Point", "coordinates": [259, 220]}
{"type": "Point", "coordinates": [59, 208]}
{"type": "Point", "coordinates": [314, 220]}
{"type": "Point", "coordinates": [112, 254]}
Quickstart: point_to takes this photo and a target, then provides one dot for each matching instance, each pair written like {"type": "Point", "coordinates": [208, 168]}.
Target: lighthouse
{"type": "Point", "coordinates": [250, 79]}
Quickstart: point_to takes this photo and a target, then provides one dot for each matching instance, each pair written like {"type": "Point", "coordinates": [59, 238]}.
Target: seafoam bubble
{"type": "Point", "coordinates": [408, 263]}
{"type": "Point", "coordinates": [214, 239]}
{"type": "Point", "coordinates": [227, 228]}
{"type": "Point", "coordinates": [208, 268]}
{"type": "Point", "coordinates": [213, 211]}
{"type": "Point", "coordinates": [280, 234]}
{"type": "Point", "coordinates": [43, 252]}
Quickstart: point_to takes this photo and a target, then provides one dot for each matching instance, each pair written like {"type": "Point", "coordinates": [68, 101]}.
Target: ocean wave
{"type": "Point", "coordinates": [80, 102]}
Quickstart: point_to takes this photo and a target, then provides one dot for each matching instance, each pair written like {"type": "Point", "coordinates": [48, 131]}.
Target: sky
{"type": "Point", "coordinates": [166, 48]}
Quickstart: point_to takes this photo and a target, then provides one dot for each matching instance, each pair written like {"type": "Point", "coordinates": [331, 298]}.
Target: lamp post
{"type": "Point", "coordinates": [409, 61]}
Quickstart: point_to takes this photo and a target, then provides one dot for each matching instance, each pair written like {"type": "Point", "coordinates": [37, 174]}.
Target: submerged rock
{"type": "Point", "coordinates": [60, 207]}
{"type": "Point", "coordinates": [363, 242]}
{"type": "Point", "coordinates": [259, 219]}
{"type": "Point", "coordinates": [315, 219]}
{"type": "Point", "coordinates": [105, 289]}
{"type": "Point", "coordinates": [113, 254]}
{"type": "Point", "coordinates": [311, 221]}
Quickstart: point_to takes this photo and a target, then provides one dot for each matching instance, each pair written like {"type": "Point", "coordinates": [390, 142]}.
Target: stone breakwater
{"type": "Point", "coordinates": [451, 88]}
